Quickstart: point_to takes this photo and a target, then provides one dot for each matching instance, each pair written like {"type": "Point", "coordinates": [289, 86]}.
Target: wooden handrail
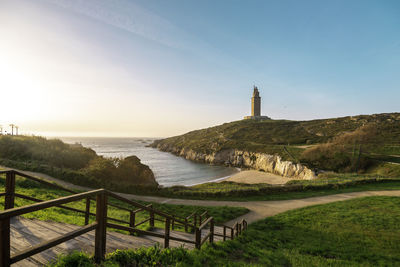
{"type": "Point", "coordinates": [204, 224]}
{"type": "Point", "coordinates": [144, 207]}
{"type": "Point", "coordinates": [43, 181]}
{"type": "Point", "coordinates": [47, 204]}
{"type": "Point", "coordinates": [53, 185]}
{"type": "Point", "coordinates": [142, 222]}
{"type": "Point", "coordinates": [130, 229]}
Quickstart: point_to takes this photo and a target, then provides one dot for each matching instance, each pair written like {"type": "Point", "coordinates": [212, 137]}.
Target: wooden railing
{"type": "Point", "coordinates": [201, 221]}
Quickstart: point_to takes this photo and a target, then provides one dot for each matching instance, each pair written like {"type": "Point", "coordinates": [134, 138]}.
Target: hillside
{"type": "Point", "coordinates": [288, 139]}
{"type": "Point", "coordinates": [74, 163]}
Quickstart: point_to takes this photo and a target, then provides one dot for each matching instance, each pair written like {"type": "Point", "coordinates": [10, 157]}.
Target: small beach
{"type": "Point", "coordinates": [257, 177]}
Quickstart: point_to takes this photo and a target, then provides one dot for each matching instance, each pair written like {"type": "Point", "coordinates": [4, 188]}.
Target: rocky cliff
{"type": "Point", "coordinates": [237, 158]}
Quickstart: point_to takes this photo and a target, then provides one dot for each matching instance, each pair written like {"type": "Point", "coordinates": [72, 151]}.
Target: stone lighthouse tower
{"type": "Point", "coordinates": [256, 106]}
{"type": "Point", "coordinates": [256, 103]}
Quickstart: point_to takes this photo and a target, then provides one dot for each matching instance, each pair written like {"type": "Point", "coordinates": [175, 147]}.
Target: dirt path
{"type": "Point", "coordinates": [258, 209]}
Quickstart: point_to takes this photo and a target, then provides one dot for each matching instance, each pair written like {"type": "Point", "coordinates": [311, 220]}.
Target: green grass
{"type": "Point", "coordinates": [358, 232]}
{"type": "Point", "coordinates": [269, 136]}
{"type": "Point", "coordinates": [327, 185]}
{"type": "Point", "coordinates": [34, 189]}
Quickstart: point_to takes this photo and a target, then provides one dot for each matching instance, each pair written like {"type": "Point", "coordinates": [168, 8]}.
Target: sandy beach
{"type": "Point", "coordinates": [257, 177]}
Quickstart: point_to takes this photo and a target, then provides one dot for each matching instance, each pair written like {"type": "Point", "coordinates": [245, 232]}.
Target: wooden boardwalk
{"type": "Point", "coordinates": [29, 232]}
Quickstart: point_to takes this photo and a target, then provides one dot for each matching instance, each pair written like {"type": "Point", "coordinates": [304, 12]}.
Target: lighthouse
{"type": "Point", "coordinates": [256, 107]}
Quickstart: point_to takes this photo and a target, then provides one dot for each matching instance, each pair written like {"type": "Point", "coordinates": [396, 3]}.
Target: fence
{"type": "Point", "coordinates": [102, 222]}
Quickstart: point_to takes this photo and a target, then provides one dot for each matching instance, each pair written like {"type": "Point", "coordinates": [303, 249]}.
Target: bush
{"type": "Point", "coordinates": [344, 152]}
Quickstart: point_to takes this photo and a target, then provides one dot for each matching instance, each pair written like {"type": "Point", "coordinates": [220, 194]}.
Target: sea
{"type": "Point", "coordinates": [168, 169]}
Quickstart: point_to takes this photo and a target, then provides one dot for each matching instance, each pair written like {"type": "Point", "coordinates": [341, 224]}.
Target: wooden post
{"type": "Point", "coordinates": [166, 237]}
{"type": "Point", "coordinates": [5, 242]}
{"type": "Point", "coordinates": [101, 233]}
{"type": "Point", "coordinates": [198, 238]}
{"type": "Point", "coordinates": [87, 212]}
{"type": "Point", "coordinates": [186, 227]}
{"type": "Point", "coordinates": [10, 190]}
{"type": "Point", "coordinates": [212, 230]}
{"type": "Point", "coordinates": [200, 219]}
{"type": "Point", "coordinates": [240, 228]}
{"type": "Point", "coordinates": [237, 230]}
{"type": "Point", "coordinates": [173, 222]}
{"type": "Point", "coordinates": [224, 233]}
{"type": "Point", "coordinates": [195, 219]}
{"type": "Point", "coordinates": [151, 222]}
{"type": "Point", "coordinates": [132, 219]}
{"type": "Point", "coordinates": [232, 234]}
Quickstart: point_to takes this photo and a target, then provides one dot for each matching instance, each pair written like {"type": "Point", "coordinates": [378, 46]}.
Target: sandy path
{"type": "Point", "coordinates": [257, 177]}
{"type": "Point", "coordinates": [257, 209]}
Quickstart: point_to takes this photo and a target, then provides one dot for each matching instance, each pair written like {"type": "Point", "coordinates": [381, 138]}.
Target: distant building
{"type": "Point", "coordinates": [256, 107]}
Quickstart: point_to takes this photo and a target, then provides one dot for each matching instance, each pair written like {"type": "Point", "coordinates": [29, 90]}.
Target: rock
{"type": "Point", "coordinates": [253, 160]}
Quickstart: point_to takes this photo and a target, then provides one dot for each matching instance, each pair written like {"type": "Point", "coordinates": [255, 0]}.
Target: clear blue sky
{"type": "Point", "coordinates": [160, 68]}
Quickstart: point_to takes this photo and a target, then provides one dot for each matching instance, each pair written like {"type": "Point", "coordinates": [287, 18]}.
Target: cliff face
{"type": "Point", "coordinates": [253, 160]}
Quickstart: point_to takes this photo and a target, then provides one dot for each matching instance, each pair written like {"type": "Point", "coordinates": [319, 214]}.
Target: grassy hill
{"type": "Point", "coordinates": [380, 134]}
{"type": "Point", "coordinates": [358, 232]}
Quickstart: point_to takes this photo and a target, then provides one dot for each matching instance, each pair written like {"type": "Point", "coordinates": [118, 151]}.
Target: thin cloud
{"type": "Point", "coordinates": [129, 17]}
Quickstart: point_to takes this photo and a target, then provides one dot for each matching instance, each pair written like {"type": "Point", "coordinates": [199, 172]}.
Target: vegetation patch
{"type": "Point", "coordinates": [358, 232]}
{"type": "Point", "coordinates": [329, 183]}
{"type": "Point", "coordinates": [75, 163]}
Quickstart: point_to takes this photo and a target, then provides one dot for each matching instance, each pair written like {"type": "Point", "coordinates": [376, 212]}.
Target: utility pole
{"type": "Point", "coordinates": [12, 129]}
{"type": "Point", "coordinates": [1, 130]}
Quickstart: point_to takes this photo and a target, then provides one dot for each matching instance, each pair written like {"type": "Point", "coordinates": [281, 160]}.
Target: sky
{"type": "Point", "coordinates": [157, 68]}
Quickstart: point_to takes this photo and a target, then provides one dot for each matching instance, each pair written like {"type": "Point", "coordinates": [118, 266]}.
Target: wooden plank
{"type": "Point", "coordinates": [51, 243]}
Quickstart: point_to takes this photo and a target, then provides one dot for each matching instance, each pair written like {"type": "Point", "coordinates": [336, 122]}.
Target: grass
{"type": "Point", "coordinates": [36, 190]}
{"type": "Point", "coordinates": [358, 232]}
{"type": "Point", "coordinates": [327, 185]}
{"type": "Point", "coordinates": [270, 136]}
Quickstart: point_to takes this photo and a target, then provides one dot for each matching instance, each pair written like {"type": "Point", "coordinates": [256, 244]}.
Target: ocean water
{"type": "Point", "coordinates": [168, 169]}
